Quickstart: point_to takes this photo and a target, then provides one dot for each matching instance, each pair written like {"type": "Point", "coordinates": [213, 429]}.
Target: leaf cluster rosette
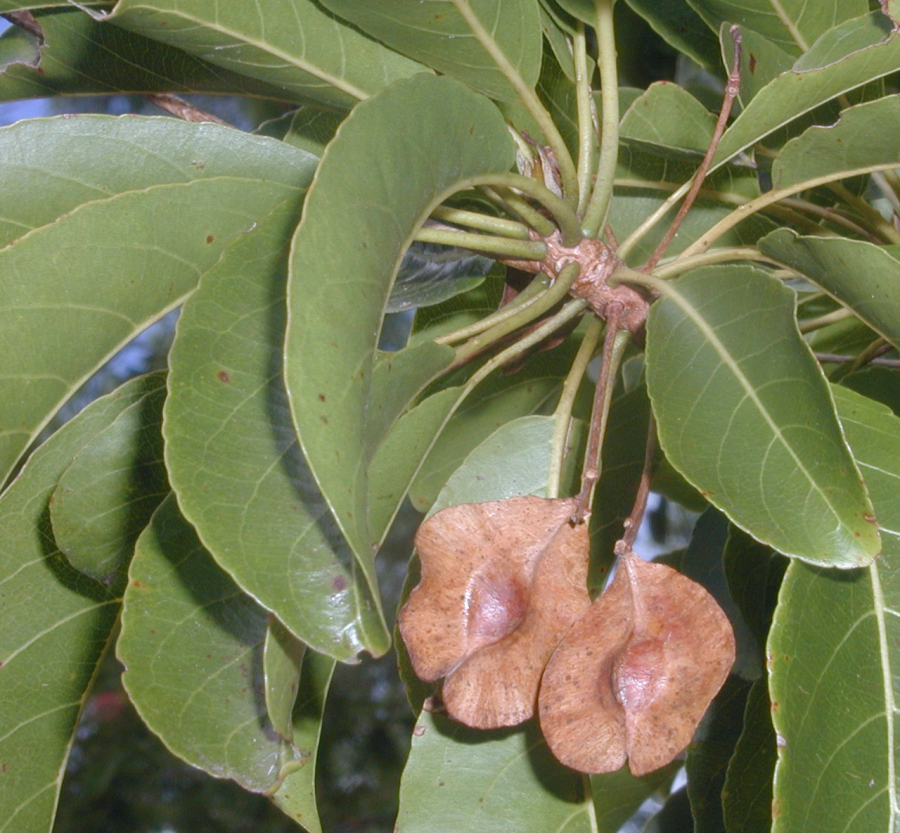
{"type": "Point", "coordinates": [502, 582]}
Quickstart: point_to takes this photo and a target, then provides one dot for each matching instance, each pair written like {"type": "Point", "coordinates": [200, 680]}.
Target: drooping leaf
{"type": "Point", "coordinates": [430, 137]}
{"type": "Point", "coordinates": [233, 456]}
{"type": "Point", "coordinates": [438, 35]}
{"type": "Point", "coordinates": [796, 92]}
{"type": "Point", "coordinates": [287, 43]}
{"type": "Point", "coordinates": [192, 645]}
{"type": "Point", "coordinates": [834, 660]}
{"type": "Point", "coordinates": [747, 794]}
{"type": "Point", "coordinates": [634, 675]}
{"type": "Point", "coordinates": [766, 450]}
{"type": "Point", "coordinates": [792, 24]}
{"type": "Point", "coordinates": [106, 497]}
{"type": "Point", "coordinates": [56, 625]}
{"type": "Point", "coordinates": [864, 277]}
{"type": "Point", "coordinates": [282, 660]}
{"type": "Point", "coordinates": [83, 56]}
{"type": "Point", "coordinates": [135, 210]}
{"type": "Point", "coordinates": [879, 383]}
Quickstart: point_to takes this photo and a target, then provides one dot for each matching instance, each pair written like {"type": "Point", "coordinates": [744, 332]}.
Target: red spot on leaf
{"type": "Point", "coordinates": [209, 238]}
{"type": "Point", "coordinates": [222, 376]}
{"type": "Point", "coordinates": [753, 63]}
{"type": "Point", "coordinates": [339, 583]}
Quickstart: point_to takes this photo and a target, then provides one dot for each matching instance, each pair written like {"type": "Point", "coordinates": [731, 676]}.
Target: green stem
{"type": "Point", "coordinates": [525, 298]}
{"type": "Point", "coordinates": [519, 206]}
{"type": "Point", "coordinates": [529, 99]}
{"type": "Point", "coordinates": [873, 350]}
{"type": "Point", "coordinates": [598, 207]}
{"type": "Point", "coordinates": [742, 212]}
{"type": "Point", "coordinates": [562, 416]}
{"type": "Point", "coordinates": [585, 117]}
{"type": "Point", "coordinates": [680, 265]}
{"type": "Point", "coordinates": [638, 234]}
{"type": "Point", "coordinates": [566, 219]}
{"type": "Point", "coordinates": [824, 320]}
{"type": "Point", "coordinates": [524, 315]}
{"type": "Point", "coordinates": [482, 222]}
{"type": "Point", "coordinates": [503, 246]}
{"type": "Point", "coordinates": [536, 336]}
{"type": "Point", "coordinates": [871, 214]}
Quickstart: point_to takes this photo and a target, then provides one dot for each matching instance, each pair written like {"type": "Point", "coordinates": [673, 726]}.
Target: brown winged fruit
{"type": "Point", "coordinates": [636, 673]}
{"type": "Point", "coordinates": [501, 583]}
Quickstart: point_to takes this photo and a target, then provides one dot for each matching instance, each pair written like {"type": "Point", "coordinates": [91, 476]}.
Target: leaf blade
{"type": "Point", "coordinates": [773, 464]}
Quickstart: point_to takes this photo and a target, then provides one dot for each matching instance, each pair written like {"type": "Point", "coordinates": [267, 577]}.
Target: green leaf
{"type": "Point", "coordinates": [747, 794]}
{"type": "Point", "coordinates": [633, 205]}
{"type": "Point", "coordinates": [106, 497]}
{"type": "Point", "coordinates": [668, 115]}
{"type": "Point", "coordinates": [858, 274]}
{"type": "Point", "coordinates": [866, 138]}
{"type": "Point", "coordinates": [56, 624]}
{"type": "Point", "coordinates": [286, 43]}
{"type": "Point", "coordinates": [282, 659]}
{"type": "Point", "coordinates": [879, 383]}
{"type": "Point", "coordinates": [192, 645]}
{"type": "Point", "coordinates": [754, 573]}
{"type": "Point", "coordinates": [495, 402]}
{"type": "Point", "coordinates": [618, 795]}
{"type": "Point", "coordinates": [796, 92]}
{"type": "Point", "coordinates": [682, 28]}
{"type": "Point", "coordinates": [792, 24]}
{"type": "Point", "coordinates": [309, 127]}
{"type": "Point", "coordinates": [430, 137]}
{"type": "Point", "coordinates": [19, 47]}
{"type": "Point", "coordinates": [233, 456]}
{"type": "Point", "coordinates": [834, 663]}
{"type": "Point", "coordinates": [762, 445]}
{"type": "Point", "coordinates": [135, 210]}
{"type": "Point", "coordinates": [494, 782]}
{"type": "Point", "coordinates": [585, 10]}
{"type": "Point", "coordinates": [83, 56]}
{"type": "Point", "coordinates": [709, 754]}
{"type": "Point", "coordinates": [437, 35]}
{"type": "Point", "coordinates": [761, 61]}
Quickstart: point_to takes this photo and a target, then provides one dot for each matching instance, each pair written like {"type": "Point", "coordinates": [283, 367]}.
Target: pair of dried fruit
{"type": "Point", "coordinates": [503, 614]}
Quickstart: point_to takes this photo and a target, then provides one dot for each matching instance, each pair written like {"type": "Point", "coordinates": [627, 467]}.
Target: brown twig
{"type": "Point", "coordinates": [26, 21]}
{"type": "Point", "coordinates": [182, 109]}
{"type": "Point", "coordinates": [591, 471]}
{"type": "Point", "coordinates": [839, 358]}
{"type": "Point", "coordinates": [732, 88]}
{"type": "Point", "coordinates": [633, 521]}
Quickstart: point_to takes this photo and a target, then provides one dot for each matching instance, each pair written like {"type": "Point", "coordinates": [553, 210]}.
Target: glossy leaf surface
{"type": "Point", "coordinates": [834, 660]}
{"type": "Point", "coordinates": [288, 43]}
{"type": "Point", "coordinates": [192, 645]}
{"type": "Point", "coordinates": [437, 35]}
{"type": "Point", "coordinates": [344, 257]}
{"type": "Point", "coordinates": [136, 211]}
{"type": "Point", "coordinates": [106, 497]}
{"type": "Point", "coordinates": [796, 92]}
{"type": "Point", "coordinates": [56, 625]}
{"type": "Point", "coordinates": [233, 456]}
{"type": "Point", "coordinates": [745, 414]}
{"type": "Point", "coordinates": [864, 277]}
{"type": "Point", "coordinates": [83, 56]}
{"type": "Point", "coordinates": [792, 24]}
